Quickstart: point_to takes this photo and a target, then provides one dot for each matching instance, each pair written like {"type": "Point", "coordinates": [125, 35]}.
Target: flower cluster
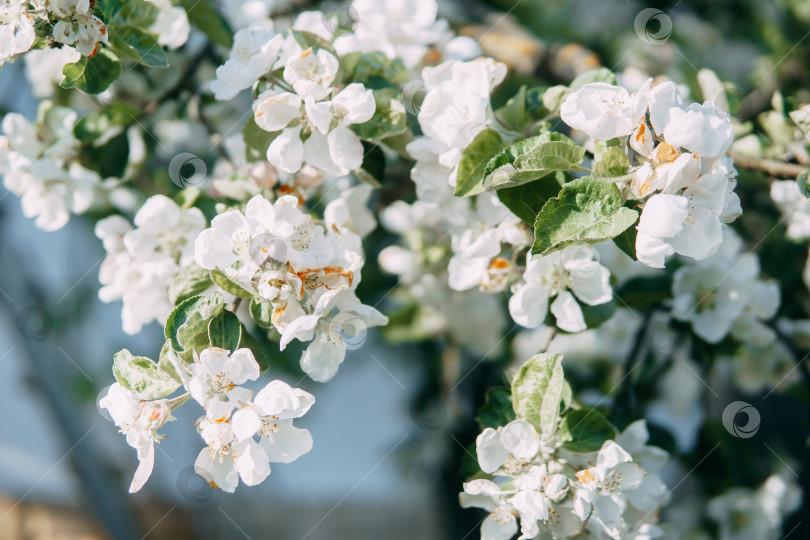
{"type": "Point", "coordinates": [613, 493]}
{"type": "Point", "coordinates": [684, 179]}
{"type": "Point", "coordinates": [232, 421]}
{"type": "Point", "coordinates": [38, 161]}
{"type": "Point", "coordinates": [304, 272]}
{"type": "Point", "coordinates": [142, 261]}
{"type": "Point", "coordinates": [232, 451]}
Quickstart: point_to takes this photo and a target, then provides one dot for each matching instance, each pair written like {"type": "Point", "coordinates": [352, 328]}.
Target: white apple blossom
{"type": "Point", "coordinates": [77, 25]}
{"type": "Point", "coordinates": [571, 270]}
{"type": "Point", "coordinates": [794, 206]}
{"type": "Point", "coordinates": [743, 513]}
{"type": "Point", "coordinates": [255, 51]}
{"type": "Point", "coordinates": [722, 295]}
{"type": "Point", "coordinates": [171, 25]}
{"type": "Point", "coordinates": [142, 261]}
{"type": "Point", "coordinates": [226, 459]}
{"type": "Point", "coordinates": [553, 496]}
{"type": "Point", "coordinates": [331, 146]}
{"type": "Point", "coordinates": [16, 29]}
{"type": "Point", "coordinates": [603, 111]}
{"type": "Point", "coordinates": [139, 421]}
{"type": "Point", "coordinates": [457, 107]}
{"type": "Point", "coordinates": [270, 416]}
{"type": "Point", "coordinates": [397, 28]}
{"type": "Point", "coordinates": [311, 73]}
{"type": "Point", "coordinates": [308, 274]}
{"type": "Point", "coordinates": [38, 164]}
{"type": "Point", "coordinates": [215, 380]}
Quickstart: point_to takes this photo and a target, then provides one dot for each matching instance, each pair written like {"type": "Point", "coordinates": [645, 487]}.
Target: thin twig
{"type": "Point", "coordinates": [772, 167]}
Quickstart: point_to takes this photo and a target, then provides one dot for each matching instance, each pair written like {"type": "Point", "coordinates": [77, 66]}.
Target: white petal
{"type": "Point", "coordinates": [568, 313]}
{"type": "Point", "coordinates": [145, 466]}
{"type": "Point", "coordinates": [246, 423]}
{"type": "Point", "coordinates": [286, 152]}
{"type": "Point", "coordinates": [288, 444]}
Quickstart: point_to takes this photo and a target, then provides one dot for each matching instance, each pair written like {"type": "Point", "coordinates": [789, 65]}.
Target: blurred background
{"type": "Point", "coordinates": [385, 462]}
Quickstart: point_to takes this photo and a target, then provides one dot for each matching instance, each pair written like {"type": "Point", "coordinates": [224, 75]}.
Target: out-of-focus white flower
{"type": "Point", "coordinates": [743, 513]}
{"type": "Point", "coordinates": [794, 206]}
{"type": "Point", "coordinates": [397, 28]}
{"type": "Point", "coordinates": [723, 294]}
{"type": "Point", "coordinates": [171, 25]}
{"type": "Point", "coordinates": [38, 164]}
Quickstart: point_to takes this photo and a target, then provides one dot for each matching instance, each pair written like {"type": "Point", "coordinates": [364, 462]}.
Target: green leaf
{"type": "Point", "coordinates": [190, 281]}
{"type": "Point", "coordinates": [596, 316]}
{"type": "Point", "coordinates": [531, 159]}
{"type": "Point", "coordinates": [553, 97]}
{"type": "Point", "coordinates": [526, 200]}
{"type": "Point", "coordinates": [141, 375]}
{"type": "Point", "coordinates": [474, 160]}
{"type": "Point", "coordinates": [626, 241]}
{"type": "Point", "coordinates": [537, 392]}
{"type": "Point", "coordinates": [369, 67]}
{"type": "Point", "coordinates": [109, 159]}
{"type": "Point", "coordinates": [228, 285]}
{"type": "Point", "coordinates": [612, 164]}
{"type": "Point", "coordinates": [372, 171]}
{"type": "Point", "coordinates": [139, 13]}
{"type": "Point", "coordinates": [165, 364]}
{"type": "Point", "coordinates": [92, 75]}
{"type": "Point", "coordinates": [258, 350]}
{"type": "Point", "coordinates": [642, 292]}
{"type": "Point", "coordinates": [585, 212]}
{"type": "Point", "coordinates": [256, 140]}
{"type": "Point", "coordinates": [585, 430]}
{"type": "Point", "coordinates": [309, 40]}
{"type": "Point", "coordinates": [261, 312]}
{"type": "Point", "coordinates": [595, 75]}
{"type": "Point", "coordinates": [201, 13]}
{"type": "Point", "coordinates": [187, 325]}
{"type": "Point", "coordinates": [535, 107]}
{"type": "Point", "coordinates": [497, 409]}
{"type": "Point", "coordinates": [97, 124]}
{"type": "Point", "coordinates": [133, 43]}
{"type": "Point", "coordinates": [514, 114]}
{"type": "Point", "coordinates": [389, 117]}
{"type": "Point", "coordinates": [225, 331]}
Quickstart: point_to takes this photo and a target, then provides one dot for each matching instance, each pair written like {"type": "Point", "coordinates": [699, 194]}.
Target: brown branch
{"type": "Point", "coordinates": [772, 167]}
